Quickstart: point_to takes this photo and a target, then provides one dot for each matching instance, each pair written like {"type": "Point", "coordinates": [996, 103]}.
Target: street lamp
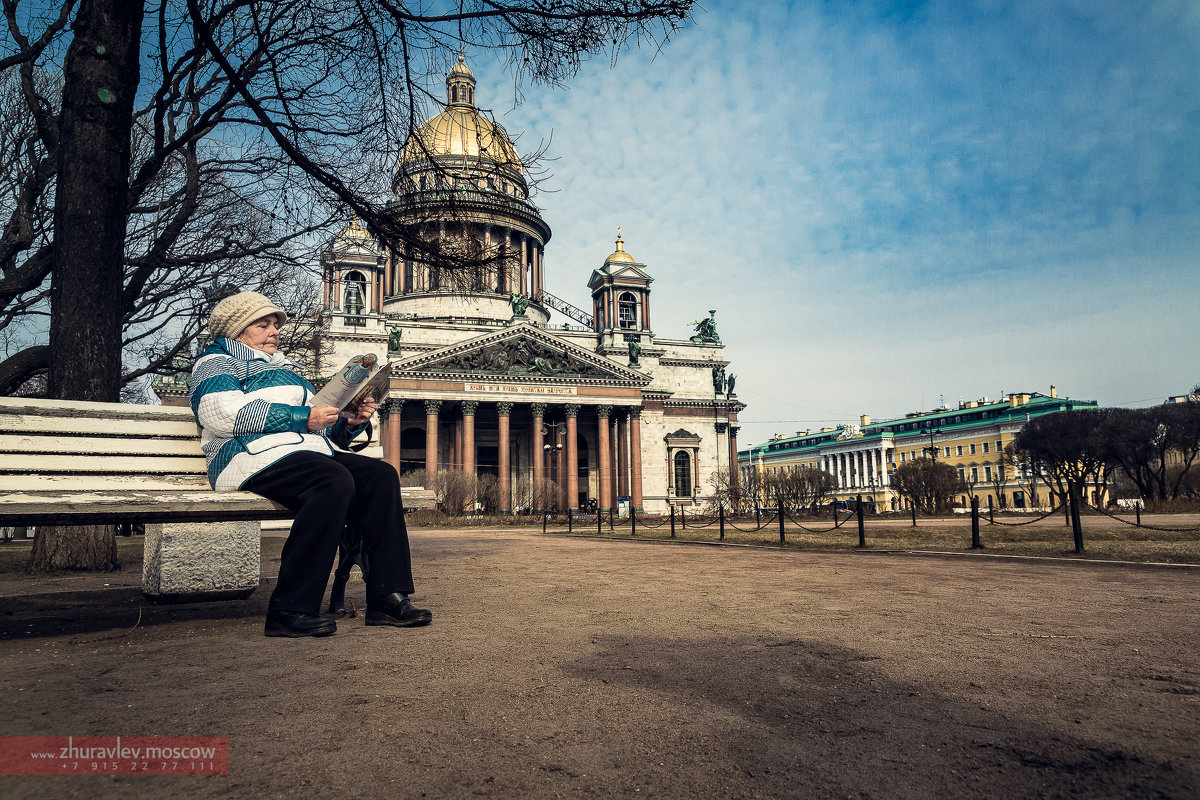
{"type": "Point", "coordinates": [557, 427]}
{"type": "Point", "coordinates": [931, 431]}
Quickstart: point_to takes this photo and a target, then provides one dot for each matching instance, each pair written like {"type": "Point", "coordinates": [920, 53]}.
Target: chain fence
{"type": "Point", "coordinates": [760, 525]}
{"type": "Point", "coordinates": [1140, 524]}
{"type": "Point", "coordinates": [991, 521]}
{"type": "Point", "coordinates": [836, 524]}
{"type": "Point", "coordinates": [642, 521]}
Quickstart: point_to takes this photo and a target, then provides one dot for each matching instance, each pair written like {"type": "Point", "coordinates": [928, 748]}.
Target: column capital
{"type": "Point", "coordinates": [604, 412]}
{"type": "Point", "coordinates": [538, 409]}
{"type": "Point", "coordinates": [393, 404]}
{"type": "Point", "coordinates": [635, 412]}
{"type": "Point", "coordinates": [504, 409]}
{"type": "Point", "coordinates": [721, 426]}
{"type": "Point", "coordinates": [433, 406]}
{"type": "Point", "coordinates": [733, 430]}
{"type": "Point", "coordinates": [469, 407]}
{"type": "Point", "coordinates": [571, 409]}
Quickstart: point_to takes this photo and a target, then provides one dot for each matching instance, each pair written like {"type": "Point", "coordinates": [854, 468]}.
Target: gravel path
{"type": "Point", "coordinates": [564, 667]}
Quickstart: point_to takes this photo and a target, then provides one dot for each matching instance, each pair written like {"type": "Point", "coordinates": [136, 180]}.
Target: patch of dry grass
{"type": "Point", "coordinates": [1103, 538]}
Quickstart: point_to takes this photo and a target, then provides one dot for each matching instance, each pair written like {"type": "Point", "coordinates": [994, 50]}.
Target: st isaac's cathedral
{"type": "Point", "coordinates": [486, 380]}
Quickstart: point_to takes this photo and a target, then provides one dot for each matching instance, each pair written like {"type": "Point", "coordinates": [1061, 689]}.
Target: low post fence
{"type": "Point", "coordinates": [862, 531]}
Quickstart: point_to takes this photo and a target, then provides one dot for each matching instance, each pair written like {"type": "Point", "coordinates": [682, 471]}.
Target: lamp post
{"type": "Point", "coordinates": [931, 431]}
{"type": "Point", "coordinates": [559, 429]}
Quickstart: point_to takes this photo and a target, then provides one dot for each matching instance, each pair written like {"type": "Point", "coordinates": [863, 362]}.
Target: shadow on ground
{"type": "Point", "coordinates": [804, 718]}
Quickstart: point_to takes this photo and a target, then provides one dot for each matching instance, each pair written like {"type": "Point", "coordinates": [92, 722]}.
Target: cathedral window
{"type": "Point", "coordinates": [627, 310]}
{"type": "Point", "coordinates": [356, 292]}
{"type": "Point", "coordinates": [683, 474]}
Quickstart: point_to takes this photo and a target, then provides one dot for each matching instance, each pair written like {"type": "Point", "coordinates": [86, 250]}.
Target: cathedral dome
{"type": "Point", "coordinates": [619, 255]}
{"type": "Point", "coordinates": [461, 130]}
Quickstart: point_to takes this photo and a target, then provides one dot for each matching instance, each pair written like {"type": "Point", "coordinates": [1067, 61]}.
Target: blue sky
{"type": "Point", "coordinates": [890, 204]}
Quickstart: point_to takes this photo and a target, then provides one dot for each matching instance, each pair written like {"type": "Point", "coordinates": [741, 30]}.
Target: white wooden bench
{"type": "Point", "coordinates": [68, 462]}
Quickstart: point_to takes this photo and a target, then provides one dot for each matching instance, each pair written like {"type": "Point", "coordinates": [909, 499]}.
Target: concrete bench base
{"type": "Point", "coordinates": [189, 561]}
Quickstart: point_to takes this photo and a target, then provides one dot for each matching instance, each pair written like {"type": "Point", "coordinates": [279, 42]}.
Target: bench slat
{"type": "Point", "coordinates": [91, 410]}
{"type": "Point", "coordinates": [10, 443]}
{"type": "Point", "coordinates": [57, 507]}
{"type": "Point", "coordinates": [41, 463]}
{"type": "Point", "coordinates": [98, 482]}
{"type": "Point", "coordinates": [182, 428]}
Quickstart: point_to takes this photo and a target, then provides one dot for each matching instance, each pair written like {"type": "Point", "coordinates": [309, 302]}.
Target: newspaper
{"type": "Point", "coordinates": [362, 376]}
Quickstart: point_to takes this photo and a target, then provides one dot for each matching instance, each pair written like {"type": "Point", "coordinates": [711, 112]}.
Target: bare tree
{"type": "Point", "coordinates": [329, 89]}
{"type": "Point", "coordinates": [999, 481]}
{"type": "Point", "coordinates": [1071, 448]}
{"type": "Point", "coordinates": [928, 484]}
{"type": "Point", "coordinates": [1018, 464]}
{"type": "Point", "coordinates": [1155, 447]}
{"type": "Point", "coordinates": [799, 489]}
{"type": "Point", "coordinates": [305, 101]}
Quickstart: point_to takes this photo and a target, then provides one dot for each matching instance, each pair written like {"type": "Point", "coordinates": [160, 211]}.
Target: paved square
{"type": "Point", "coordinates": [563, 667]}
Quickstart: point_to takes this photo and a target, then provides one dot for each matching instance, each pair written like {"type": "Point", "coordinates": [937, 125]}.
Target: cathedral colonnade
{"type": "Point", "coordinates": [520, 268]}
{"type": "Point", "coordinates": [589, 452]}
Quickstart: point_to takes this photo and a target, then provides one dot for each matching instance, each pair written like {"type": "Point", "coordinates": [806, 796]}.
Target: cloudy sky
{"type": "Point", "coordinates": [894, 204]}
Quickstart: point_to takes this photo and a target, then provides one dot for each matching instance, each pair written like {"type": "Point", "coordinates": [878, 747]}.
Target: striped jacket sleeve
{"type": "Point", "coordinates": [227, 410]}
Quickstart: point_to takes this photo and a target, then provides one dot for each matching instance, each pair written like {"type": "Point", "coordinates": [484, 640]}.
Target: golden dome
{"type": "Point", "coordinates": [461, 130]}
{"type": "Point", "coordinates": [620, 254]}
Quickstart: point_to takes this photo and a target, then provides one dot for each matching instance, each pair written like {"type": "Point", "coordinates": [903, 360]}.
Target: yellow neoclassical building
{"type": "Point", "coordinates": [971, 438]}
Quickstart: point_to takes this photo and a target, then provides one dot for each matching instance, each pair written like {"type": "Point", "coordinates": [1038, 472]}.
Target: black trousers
{"type": "Point", "coordinates": [327, 493]}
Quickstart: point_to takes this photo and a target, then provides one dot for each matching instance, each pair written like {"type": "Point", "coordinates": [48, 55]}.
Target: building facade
{"type": "Point", "coordinates": [971, 438]}
{"type": "Point", "coordinates": [485, 378]}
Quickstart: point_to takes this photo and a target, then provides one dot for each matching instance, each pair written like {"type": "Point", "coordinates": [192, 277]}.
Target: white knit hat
{"type": "Point", "coordinates": [235, 313]}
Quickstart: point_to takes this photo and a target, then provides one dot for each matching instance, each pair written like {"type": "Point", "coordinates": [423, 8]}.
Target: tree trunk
{"type": "Point", "coordinates": [100, 79]}
{"type": "Point", "coordinates": [79, 547]}
{"type": "Point", "coordinates": [1076, 524]}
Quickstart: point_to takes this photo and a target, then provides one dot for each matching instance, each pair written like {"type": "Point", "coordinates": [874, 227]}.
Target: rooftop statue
{"type": "Point", "coordinates": [706, 329]}
{"type": "Point", "coordinates": [519, 303]}
{"type": "Point", "coordinates": [635, 350]}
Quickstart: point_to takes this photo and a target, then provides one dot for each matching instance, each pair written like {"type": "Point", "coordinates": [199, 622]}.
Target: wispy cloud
{"type": "Point", "coordinates": [888, 202]}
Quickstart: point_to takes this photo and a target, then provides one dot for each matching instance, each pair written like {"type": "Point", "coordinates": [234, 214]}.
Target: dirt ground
{"type": "Point", "coordinates": [573, 667]}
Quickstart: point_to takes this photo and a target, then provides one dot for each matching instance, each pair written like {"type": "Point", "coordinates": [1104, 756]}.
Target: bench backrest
{"type": "Point", "coordinates": [70, 446]}
{"type": "Point", "coordinates": [65, 437]}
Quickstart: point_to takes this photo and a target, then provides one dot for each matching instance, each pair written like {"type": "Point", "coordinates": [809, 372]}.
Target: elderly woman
{"type": "Point", "coordinates": [261, 434]}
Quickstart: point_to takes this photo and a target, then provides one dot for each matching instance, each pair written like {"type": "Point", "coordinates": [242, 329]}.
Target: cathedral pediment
{"type": "Point", "coordinates": [521, 353]}
{"type": "Point", "coordinates": [620, 273]}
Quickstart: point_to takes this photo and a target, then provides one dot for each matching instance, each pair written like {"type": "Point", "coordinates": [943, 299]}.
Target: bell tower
{"type": "Point", "coordinates": [621, 299]}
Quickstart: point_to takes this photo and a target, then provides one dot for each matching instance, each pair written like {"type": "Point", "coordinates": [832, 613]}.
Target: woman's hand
{"type": "Point", "coordinates": [321, 418]}
{"type": "Point", "coordinates": [362, 412]}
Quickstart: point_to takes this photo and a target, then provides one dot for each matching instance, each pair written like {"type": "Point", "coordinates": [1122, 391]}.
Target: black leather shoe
{"type": "Point", "coordinates": [295, 624]}
{"type": "Point", "coordinates": [395, 609]}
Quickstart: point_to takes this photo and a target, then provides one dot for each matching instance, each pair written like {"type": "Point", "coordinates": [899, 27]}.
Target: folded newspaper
{"type": "Point", "coordinates": [362, 376]}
